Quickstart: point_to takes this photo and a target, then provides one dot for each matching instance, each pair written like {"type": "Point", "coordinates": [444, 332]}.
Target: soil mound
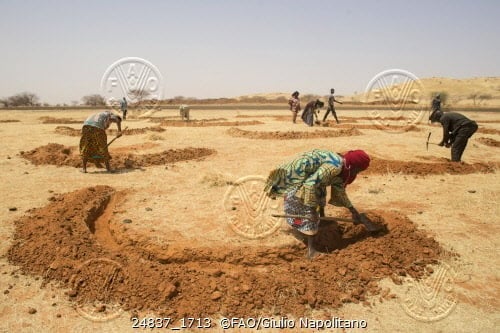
{"type": "Point", "coordinates": [65, 130]}
{"type": "Point", "coordinates": [204, 123]}
{"type": "Point", "coordinates": [489, 142]}
{"type": "Point", "coordinates": [487, 130]}
{"type": "Point", "coordinates": [488, 121]}
{"type": "Point", "coordinates": [9, 121]}
{"type": "Point", "coordinates": [74, 242]}
{"type": "Point", "coordinates": [56, 154]}
{"type": "Point", "coordinates": [373, 118]}
{"type": "Point", "coordinates": [52, 120]}
{"type": "Point", "coordinates": [257, 116]}
{"type": "Point", "coordinates": [409, 128]}
{"type": "Point", "coordinates": [382, 166]}
{"type": "Point", "coordinates": [70, 131]}
{"type": "Point", "coordinates": [134, 131]}
{"type": "Point", "coordinates": [277, 135]}
{"type": "Point", "coordinates": [342, 119]}
{"type": "Point", "coordinates": [177, 119]}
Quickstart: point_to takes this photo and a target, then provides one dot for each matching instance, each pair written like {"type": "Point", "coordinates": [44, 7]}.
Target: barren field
{"type": "Point", "coordinates": [181, 228]}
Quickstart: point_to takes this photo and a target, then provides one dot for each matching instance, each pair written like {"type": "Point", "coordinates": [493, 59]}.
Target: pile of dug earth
{"type": "Point", "coordinates": [60, 155]}
{"type": "Point", "coordinates": [74, 243]}
{"type": "Point", "coordinates": [287, 135]}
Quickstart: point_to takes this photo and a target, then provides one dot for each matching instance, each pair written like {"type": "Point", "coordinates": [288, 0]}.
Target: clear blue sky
{"type": "Point", "coordinates": [60, 49]}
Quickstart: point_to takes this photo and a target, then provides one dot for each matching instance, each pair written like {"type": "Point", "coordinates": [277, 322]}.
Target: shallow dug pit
{"type": "Point", "coordinates": [65, 130]}
{"type": "Point", "coordinates": [205, 123]}
{"type": "Point", "coordinates": [383, 166]}
{"type": "Point", "coordinates": [9, 121]}
{"type": "Point", "coordinates": [278, 135]}
{"type": "Point", "coordinates": [489, 142]}
{"type": "Point", "coordinates": [122, 158]}
{"type": "Point", "coordinates": [75, 243]}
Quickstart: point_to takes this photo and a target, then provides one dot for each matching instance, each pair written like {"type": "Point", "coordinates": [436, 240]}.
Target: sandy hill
{"type": "Point", "coordinates": [481, 91]}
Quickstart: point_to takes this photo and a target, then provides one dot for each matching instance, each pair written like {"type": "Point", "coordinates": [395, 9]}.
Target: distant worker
{"type": "Point", "coordinates": [184, 112]}
{"type": "Point", "coordinates": [331, 106]}
{"type": "Point", "coordinates": [457, 129]}
{"type": "Point", "coordinates": [310, 112]}
{"type": "Point", "coordinates": [436, 103]}
{"type": "Point", "coordinates": [94, 142]}
{"type": "Point", "coordinates": [123, 107]}
{"type": "Point", "coordinates": [294, 104]}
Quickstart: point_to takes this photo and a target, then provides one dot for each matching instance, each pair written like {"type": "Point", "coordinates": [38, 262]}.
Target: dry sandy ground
{"type": "Point", "coordinates": [180, 205]}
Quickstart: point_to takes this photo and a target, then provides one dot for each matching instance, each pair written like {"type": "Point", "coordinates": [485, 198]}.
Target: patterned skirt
{"type": "Point", "coordinates": [94, 144]}
{"type": "Point", "coordinates": [294, 206]}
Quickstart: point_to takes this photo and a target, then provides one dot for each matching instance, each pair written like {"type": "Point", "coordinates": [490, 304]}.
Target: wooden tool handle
{"type": "Point", "coordinates": [110, 142]}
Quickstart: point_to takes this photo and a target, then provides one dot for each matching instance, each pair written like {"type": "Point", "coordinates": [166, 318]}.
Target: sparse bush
{"type": "Point", "coordinates": [477, 98]}
{"type": "Point", "coordinates": [21, 99]}
{"type": "Point", "coordinates": [94, 100]}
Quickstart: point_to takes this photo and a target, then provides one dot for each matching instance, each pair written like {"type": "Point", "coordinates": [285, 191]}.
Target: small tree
{"type": "Point", "coordinates": [21, 99]}
{"type": "Point", "coordinates": [31, 98]}
{"type": "Point", "coordinates": [477, 98]}
{"type": "Point", "coordinates": [94, 100]}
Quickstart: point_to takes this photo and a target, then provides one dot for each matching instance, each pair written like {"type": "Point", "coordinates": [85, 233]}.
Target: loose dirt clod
{"type": "Point", "coordinates": [278, 135]}
{"type": "Point", "coordinates": [60, 155]}
{"type": "Point", "coordinates": [105, 267]}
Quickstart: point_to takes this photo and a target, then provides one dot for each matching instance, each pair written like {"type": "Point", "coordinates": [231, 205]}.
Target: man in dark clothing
{"type": "Point", "coordinates": [436, 103]}
{"type": "Point", "coordinates": [331, 106]}
{"type": "Point", "coordinates": [457, 129]}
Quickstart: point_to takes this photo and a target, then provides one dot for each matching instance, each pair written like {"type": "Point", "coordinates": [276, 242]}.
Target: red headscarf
{"type": "Point", "coordinates": [354, 161]}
